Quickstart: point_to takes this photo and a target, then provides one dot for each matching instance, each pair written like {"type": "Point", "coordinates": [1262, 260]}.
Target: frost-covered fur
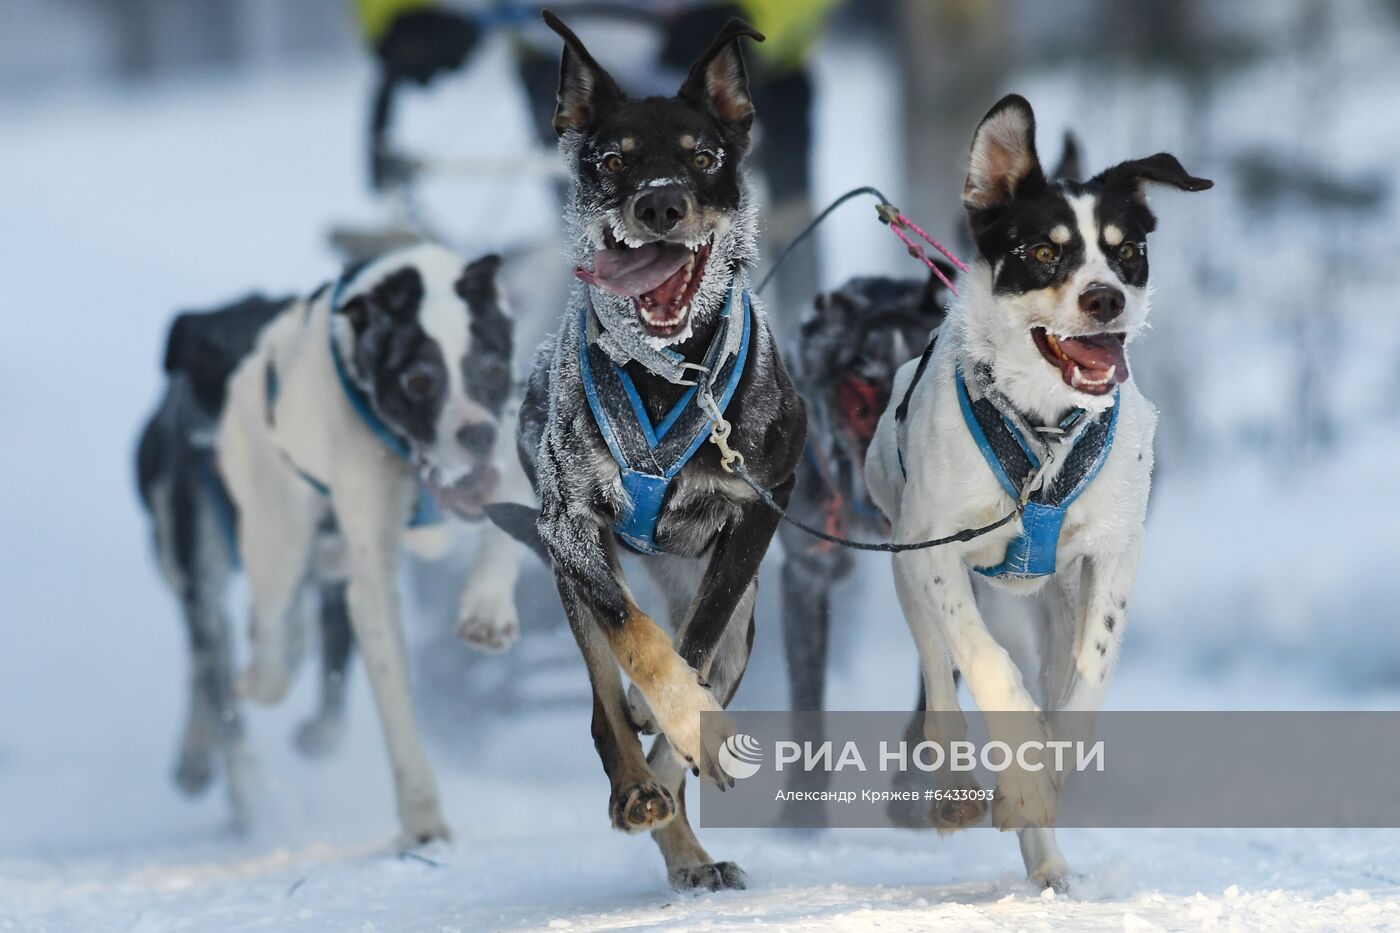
{"type": "Point", "coordinates": [1024, 646]}
{"type": "Point", "coordinates": [712, 528]}
{"type": "Point", "coordinates": [270, 443]}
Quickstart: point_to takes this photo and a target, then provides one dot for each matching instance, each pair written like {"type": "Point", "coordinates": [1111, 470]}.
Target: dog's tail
{"type": "Point", "coordinates": [522, 523]}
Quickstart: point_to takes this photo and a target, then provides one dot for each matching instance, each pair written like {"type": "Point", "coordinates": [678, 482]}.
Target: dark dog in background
{"type": "Point", "coordinates": [193, 525]}
{"type": "Point", "coordinates": [663, 232]}
{"type": "Point", "coordinates": [852, 342]}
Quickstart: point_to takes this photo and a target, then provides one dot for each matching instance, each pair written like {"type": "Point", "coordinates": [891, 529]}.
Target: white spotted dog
{"type": "Point", "coordinates": [1025, 395]}
{"type": "Point", "coordinates": [365, 407]}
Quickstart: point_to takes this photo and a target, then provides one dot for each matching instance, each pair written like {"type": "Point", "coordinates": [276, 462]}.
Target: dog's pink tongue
{"type": "Point", "coordinates": [1096, 354]}
{"type": "Point", "coordinates": [634, 271]}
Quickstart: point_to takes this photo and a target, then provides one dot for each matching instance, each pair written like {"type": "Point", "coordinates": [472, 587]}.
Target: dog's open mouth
{"type": "Point", "coordinates": [468, 496]}
{"type": "Point", "coordinates": [1092, 363]}
{"type": "Point", "coordinates": [661, 279]}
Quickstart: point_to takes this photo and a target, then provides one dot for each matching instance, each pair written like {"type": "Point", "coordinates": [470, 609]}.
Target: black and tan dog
{"type": "Point", "coordinates": [661, 333]}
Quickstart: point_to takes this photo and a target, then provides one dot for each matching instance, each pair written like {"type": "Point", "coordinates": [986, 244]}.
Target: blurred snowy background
{"type": "Point", "coordinates": [158, 155]}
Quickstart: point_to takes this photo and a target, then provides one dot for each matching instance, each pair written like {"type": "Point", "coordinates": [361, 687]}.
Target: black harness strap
{"type": "Point", "coordinates": [902, 412]}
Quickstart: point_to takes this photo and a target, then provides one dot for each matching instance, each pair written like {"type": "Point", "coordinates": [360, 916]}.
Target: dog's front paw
{"type": "Point", "coordinates": [641, 806]}
{"type": "Point", "coordinates": [639, 712]}
{"type": "Point", "coordinates": [194, 771]}
{"type": "Point", "coordinates": [698, 749]}
{"type": "Point", "coordinates": [1054, 874]}
{"type": "Point", "coordinates": [489, 629]}
{"type": "Point", "coordinates": [486, 618]}
{"type": "Point", "coordinates": [959, 801]}
{"type": "Point", "coordinates": [711, 876]}
{"type": "Point", "coordinates": [263, 681]}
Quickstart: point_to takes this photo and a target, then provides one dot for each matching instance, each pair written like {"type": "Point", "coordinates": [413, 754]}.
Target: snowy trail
{"type": "Point", "coordinates": [155, 201]}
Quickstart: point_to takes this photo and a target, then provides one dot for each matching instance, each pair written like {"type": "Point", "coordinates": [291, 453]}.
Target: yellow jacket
{"type": "Point", "coordinates": [789, 26]}
{"type": "Point", "coordinates": [376, 15]}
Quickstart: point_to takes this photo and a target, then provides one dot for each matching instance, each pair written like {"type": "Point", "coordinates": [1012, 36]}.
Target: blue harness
{"type": "Point", "coordinates": [426, 511]}
{"type": "Point", "coordinates": [1011, 458]}
{"type": "Point", "coordinates": [650, 455]}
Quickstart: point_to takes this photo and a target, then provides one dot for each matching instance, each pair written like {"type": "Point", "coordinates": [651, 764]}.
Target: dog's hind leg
{"type": "Point", "coordinates": [806, 583]}
{"type": "Point", "coordinates": [215, 726]}
{"type": "Point", "coordinates": [173, 499]}
{"type": "Point", "coordinates": [215, 723]}
{"type": "Point", "coordinates": [218, 687]}
{"type": "Point", "coordinates": [637, 800]}
{"type": "Point", "coordinates": [195, 767]}
{"type": "Point", "coordinates": [688, 865]}
{"type": "Point", "coordinates": [320, 733]}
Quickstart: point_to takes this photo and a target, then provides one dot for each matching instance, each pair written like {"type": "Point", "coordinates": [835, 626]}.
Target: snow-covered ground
{"type": "Point", "coordinates": [1260, 589]}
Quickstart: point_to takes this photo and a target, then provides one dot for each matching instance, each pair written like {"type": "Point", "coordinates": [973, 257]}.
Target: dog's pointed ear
{"type": "Point", "coordinates": [357, 312]}
{"type": "Point", "coordinates": [477, 286]}
{"type": "Point", "coordinates": [718, 82]}
{"type": "Point", "coordinates": [179, 345]}
{"type": "Point", "coordinates": [585, 89]}
{"type": "Point", "coordinates": [1003, 159]}
{"type": "Point", "coordinates": [1070, 167]}
{"type": "Point", "coordinates": [1162, 168]}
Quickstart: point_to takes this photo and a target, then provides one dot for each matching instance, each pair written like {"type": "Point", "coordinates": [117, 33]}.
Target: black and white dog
{"type": "Point", "coordinates": [851, 344]}
{"type": "Point", "coordinates": [660, 336]}
{"type": "Point", "coordinates": [1026, 396]}
{"type": "Point", "coordinates": [356, 404]}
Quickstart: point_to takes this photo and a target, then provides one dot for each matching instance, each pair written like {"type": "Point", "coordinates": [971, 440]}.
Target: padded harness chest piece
{"type": "Point", "coordinates": [650, 455]}
{"type": "Point", "coordinates": [1012, 458]}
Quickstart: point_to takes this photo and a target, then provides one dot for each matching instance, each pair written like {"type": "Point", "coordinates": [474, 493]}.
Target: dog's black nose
{"type": "Point", "coordinates": [660, 209]}
{"type": "Point", "coordinates": [1103, 303]}
{"type": "Point", "coordinates": [477, 438]}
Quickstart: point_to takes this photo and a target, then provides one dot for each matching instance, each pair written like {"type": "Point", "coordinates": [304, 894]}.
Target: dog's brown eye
{"type": "Point", "coordinates": [1128, 251]}
{"type": "Point", "coordinates": [418, 385]}
{"type": "Point", "coordinates": [1045, 253]}
{"type": "Point", "coordinates": [703, 160]}
{"type": "Point", "coordinates": [612, 162]}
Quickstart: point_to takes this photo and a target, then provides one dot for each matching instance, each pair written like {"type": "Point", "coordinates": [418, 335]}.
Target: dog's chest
{"type": "Point", "coordinates": [699, 502]}
{"type": "Point", "coordinates": [702, 501]}
{"type": "Point", "coordinates": [961, 491]}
